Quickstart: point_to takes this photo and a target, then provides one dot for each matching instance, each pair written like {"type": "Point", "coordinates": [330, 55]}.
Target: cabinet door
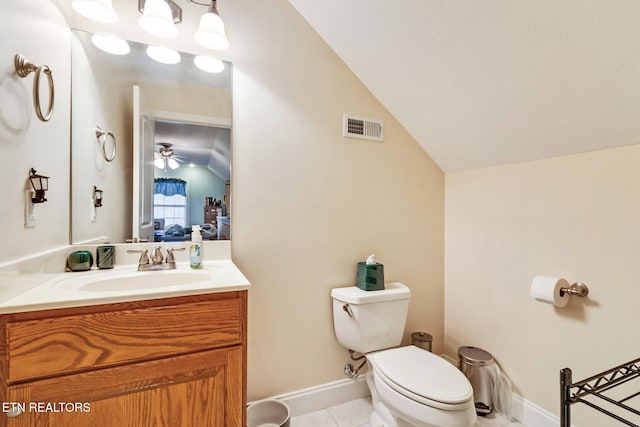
{"type": "Point", "coordinates": [203, 389]}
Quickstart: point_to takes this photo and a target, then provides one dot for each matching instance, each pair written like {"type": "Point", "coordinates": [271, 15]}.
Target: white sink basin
{"type": "Point", "coordinates": [143, 280]}
{"type": "Point", "coordinates": [128, 279]}
{"type": "Point", "coordinates": [125, 283]}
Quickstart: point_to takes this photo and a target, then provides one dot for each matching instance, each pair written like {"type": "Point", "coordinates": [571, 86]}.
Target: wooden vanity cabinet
{"type": "Point", "coordinates": [174, 362]}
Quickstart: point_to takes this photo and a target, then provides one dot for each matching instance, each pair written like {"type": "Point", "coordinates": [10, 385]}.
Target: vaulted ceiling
{"type": "Point", "coordinates": [483, 83]}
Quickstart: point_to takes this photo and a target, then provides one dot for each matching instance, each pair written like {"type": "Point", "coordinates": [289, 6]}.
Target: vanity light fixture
{"type": "Point", "coordinates": [159, 17]}
{"type": "Point", "coordinates": [40, 185]}
{"type": "Point", "coordinates": [110, 44]}
{"type": "Point", "coordinates": [97, 197]}
{"type": "Point", "coordinates": [163, 55]}
{"type": "Point", "coordinates": [208, 64]}
{"type": "Point", "coordinates": [211, 32]}
{"type": "Point", "coordinates": [96, 10]}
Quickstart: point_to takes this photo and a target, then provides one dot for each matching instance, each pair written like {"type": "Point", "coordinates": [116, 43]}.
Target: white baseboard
{"type": "Point", "coordinates": [531, 415]}
{"type": "Point", "coordinates": [524, 411]}
{"type": "Point", "coordinates": [325, 395]}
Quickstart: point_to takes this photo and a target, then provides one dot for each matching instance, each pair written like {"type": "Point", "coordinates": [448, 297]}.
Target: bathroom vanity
{"type": "Point", "coordinates": [124, 348]}
{"type": "Point", "coordinates": [162, 362]}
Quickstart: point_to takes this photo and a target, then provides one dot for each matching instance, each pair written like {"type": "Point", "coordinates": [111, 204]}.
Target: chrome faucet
{"type": "Point", "coordinates": [157, 258]}
{"type": "Point", "coordinates": [144, 257]}
{"type": "Point", "coordinates": [171, 260]}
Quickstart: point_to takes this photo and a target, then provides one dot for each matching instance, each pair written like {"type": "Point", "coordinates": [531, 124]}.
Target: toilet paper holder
{"type": "Point", "coordinates": [578, 289]}
{"type": "Point", "coordinates": [556, 290]}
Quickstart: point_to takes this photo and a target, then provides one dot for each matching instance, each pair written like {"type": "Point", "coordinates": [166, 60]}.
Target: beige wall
{"type": "Point", "coordinates": [574, 217]}
{"type": "Point", "coordinates": [40, 32]}
{"type": "Point", "coordinates": [309, 204]}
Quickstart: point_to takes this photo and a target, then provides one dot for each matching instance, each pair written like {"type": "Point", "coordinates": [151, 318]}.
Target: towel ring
{"type": "Point", "coordinates": [24, 67]}
{"type": "Point", "coordinates": [102, 136]}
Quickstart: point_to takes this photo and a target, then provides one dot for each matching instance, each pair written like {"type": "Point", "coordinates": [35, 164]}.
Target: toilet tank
{"type": "Point", "coordinates": [366, 321]}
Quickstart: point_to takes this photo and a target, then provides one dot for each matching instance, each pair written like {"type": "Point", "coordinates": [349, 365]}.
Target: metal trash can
{"type": "Point", "coordinates": [476, 364]}
{"type": "Point", "coordinates": [422, 340]}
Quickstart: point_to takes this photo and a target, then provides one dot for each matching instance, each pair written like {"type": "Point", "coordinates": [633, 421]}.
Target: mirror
{"type": "Point", "coordinates": [133, 120]}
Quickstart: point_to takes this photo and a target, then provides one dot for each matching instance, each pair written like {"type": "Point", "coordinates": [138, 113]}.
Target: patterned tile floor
{"type": "Point", "coordinates": [356, 414]}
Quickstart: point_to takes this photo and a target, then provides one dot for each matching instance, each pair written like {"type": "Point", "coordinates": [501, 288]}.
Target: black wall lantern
{"type": "Point", "coordinates": [97, 197]}
{"type": "Point", "coordinates": [40, 185]}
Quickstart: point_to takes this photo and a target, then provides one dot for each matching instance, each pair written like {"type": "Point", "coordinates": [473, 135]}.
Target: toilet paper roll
{"type": "Point", "coordinates": [547, 289]}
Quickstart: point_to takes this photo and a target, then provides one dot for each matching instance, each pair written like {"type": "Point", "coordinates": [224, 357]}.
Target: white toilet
{"type": "Point", "coordinates": [409, 386]}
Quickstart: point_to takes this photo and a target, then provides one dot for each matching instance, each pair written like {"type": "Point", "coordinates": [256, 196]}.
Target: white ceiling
{"type": "Point", "coordinates": [483, 83]}
{"type": "Point", "coordinates": [206, 146]}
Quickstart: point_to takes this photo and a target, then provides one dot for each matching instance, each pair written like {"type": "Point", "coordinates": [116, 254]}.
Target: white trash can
{"type": "Point", "coordinates": [268, 413]}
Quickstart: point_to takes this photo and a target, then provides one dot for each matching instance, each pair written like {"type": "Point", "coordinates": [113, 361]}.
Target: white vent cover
{"type": "Point", "coordinates": [359, 127]}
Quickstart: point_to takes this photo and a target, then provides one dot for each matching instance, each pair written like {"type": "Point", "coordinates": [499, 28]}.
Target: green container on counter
{"type": "Point", "coordinates": [370, 277]}
{"type": "Point", "coordinates": [79, 261]}
{"type": "Point", "coordinates": [105, 256]}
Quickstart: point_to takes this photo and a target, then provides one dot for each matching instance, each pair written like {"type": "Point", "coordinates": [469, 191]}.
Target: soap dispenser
{"type": "Point", "coordinates": [195, 251]}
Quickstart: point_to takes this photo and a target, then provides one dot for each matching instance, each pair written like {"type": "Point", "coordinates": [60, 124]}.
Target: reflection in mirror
{"type": "Point", "coordinates": [161, 116]}
{"type": "Point", "coordinates": [192, 174]}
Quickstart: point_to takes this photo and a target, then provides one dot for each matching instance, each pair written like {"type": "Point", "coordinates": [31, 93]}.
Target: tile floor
{"type": "Point", "coordinates": [356, 414]}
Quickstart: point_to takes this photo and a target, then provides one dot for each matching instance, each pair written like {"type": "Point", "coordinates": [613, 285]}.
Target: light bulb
{"type": "Point", "coordinates": [208, 64]}
{"type": "Point", "coordinates": [210, 33]}
{"type": "Point", "coordinates": [110, 44]}
{"type": "Point", "coordinates": [157, 19]}
{"type": "Point", "coordinates": [96, 10]}
{"type": "Point", "coordinates": [163, 55]}
{"type": "Point", "coordinates": [172, 163]}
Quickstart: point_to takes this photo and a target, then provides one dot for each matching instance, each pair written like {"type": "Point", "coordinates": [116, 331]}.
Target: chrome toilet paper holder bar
{"type": "Point", "coordinates": [578, 289]}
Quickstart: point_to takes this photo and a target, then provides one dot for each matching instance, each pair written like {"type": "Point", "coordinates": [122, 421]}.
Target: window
{"type": "Point", "coordinates": [170, 201]}
{"type": "Point", "coordinates": [173, 209]}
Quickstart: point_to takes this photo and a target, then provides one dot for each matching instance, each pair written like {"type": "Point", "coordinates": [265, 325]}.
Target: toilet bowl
{"type": "Point", "coordinates": [409, 386]}
{"type": "Point", "coordinates": [420, 388]}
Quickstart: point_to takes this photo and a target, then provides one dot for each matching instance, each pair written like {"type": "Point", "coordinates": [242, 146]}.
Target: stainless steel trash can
{"type": "Point", "coordinates": [476, 364]}
{"type": "Point", "coordinates": [422, 340]}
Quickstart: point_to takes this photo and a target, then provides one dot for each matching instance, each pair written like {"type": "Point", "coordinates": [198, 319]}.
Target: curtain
{"type": "Point", "coordinates": [170, 187]}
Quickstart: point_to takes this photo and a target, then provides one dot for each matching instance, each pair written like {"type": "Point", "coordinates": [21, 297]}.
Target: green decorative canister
{"type": "Point", "coordinates": [79, 261]}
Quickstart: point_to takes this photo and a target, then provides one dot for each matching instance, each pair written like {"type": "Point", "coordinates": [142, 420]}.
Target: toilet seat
{"type": "Point", "coordinates": [422, 377]}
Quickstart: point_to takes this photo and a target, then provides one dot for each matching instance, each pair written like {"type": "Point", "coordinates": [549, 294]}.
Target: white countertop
{"type": "Point", "coordinates": [43, 291]}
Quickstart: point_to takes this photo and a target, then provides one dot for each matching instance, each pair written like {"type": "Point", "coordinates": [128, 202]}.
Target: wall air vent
{"type": "Point", "coordinates": [359, 127]}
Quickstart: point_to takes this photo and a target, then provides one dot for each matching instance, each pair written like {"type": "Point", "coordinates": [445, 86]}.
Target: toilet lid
{"type": "Point", "coordinates": [422, 373]}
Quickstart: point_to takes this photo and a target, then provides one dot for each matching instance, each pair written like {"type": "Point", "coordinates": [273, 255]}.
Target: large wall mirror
{"type": "Point", "coordinates": [151, 146]}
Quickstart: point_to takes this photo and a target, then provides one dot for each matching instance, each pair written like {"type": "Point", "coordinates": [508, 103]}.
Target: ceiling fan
{"type": "Point", "coordinates": [165, 157]}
